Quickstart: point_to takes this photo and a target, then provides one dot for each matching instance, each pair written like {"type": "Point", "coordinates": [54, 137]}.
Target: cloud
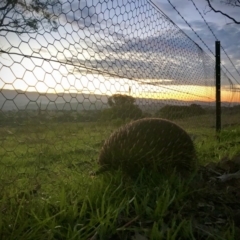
{"type": "Point", "coordinates": [79, 13]}
{"type": "Point", "coordinates": [155, 49]}
{"type": "Point", "coordinates": [228, 35]}
{"type": "Point", "coordinates": [145, 44]}
{"type": "Point", "coordinates": [154, 58]}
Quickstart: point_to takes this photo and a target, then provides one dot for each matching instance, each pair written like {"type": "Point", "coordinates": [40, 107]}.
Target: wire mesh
{"type": "Point", "coordinates": [101, 64]}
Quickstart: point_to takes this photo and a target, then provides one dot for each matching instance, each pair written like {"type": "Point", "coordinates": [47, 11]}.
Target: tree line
{"type": "Point", "coordinates": [121, 108]}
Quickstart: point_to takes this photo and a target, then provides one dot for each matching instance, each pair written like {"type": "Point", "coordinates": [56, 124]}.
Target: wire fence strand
{"type": "Point", "coordinates": [63, 90]}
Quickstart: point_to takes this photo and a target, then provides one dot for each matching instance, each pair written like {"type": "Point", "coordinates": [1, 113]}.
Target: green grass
{"type": "Point", "coordinates": [48, 191]}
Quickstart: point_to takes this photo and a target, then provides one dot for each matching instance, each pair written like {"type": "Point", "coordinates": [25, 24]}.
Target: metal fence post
{"type": "Point", "coordinates": [218, 86]}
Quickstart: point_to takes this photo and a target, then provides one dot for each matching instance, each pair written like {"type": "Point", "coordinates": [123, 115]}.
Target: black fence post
{"type": "Point", "coordinates": [218, 86]}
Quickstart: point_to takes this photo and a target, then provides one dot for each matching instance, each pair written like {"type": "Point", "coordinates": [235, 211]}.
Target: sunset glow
{"type": "Point", "coordinates": [104, 54]}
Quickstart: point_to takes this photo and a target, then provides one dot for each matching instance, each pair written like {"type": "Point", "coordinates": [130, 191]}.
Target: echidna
{"type": "Point", "coordinates": [152, 143]}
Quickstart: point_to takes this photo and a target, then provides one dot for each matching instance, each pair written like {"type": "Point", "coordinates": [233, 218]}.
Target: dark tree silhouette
{"type": "Point", "coordinates": [120, 100]}
{"type": "Point", "coordinates": [28, 16]}
{"type": "Point", "coordinates": [232, 3]}
{"type": "Point", "coordinates": [122, 106]}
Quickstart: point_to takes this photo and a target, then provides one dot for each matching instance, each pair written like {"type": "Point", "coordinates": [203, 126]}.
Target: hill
{"type": "Point", "coordinates": [19, 100]}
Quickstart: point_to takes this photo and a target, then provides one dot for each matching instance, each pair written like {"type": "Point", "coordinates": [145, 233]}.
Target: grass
{"type": "Point", "coordinates": [48, 191]}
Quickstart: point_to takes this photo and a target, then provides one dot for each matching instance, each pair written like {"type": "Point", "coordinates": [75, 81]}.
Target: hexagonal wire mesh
{"type": "Point", "coordinates": [64, 89]}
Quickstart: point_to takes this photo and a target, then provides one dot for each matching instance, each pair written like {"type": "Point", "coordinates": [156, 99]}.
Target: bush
{"type": "Point", "coordinates": [117, 122]}
{"type": "Point", "coordinates": [121, 106]}
{"type": "Point", "coordinates": [176, 112]}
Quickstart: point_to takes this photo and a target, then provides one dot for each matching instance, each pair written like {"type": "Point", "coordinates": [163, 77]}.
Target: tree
{"type": "Point", "coordinates": [120, 100]}
{"type": "Point", "coordinates": [233, 3]}
{"type": "Point", "coordinates": [123, 107]}
{"type": "Point", "coordinates": [28, 16]}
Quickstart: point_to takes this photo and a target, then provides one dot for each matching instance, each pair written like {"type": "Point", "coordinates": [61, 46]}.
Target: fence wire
{"type": "Point", "coordinates": [63, 90]}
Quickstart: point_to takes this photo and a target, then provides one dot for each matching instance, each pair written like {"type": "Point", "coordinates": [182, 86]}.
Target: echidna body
{"type": "Point", "coordinates": [151, 143]}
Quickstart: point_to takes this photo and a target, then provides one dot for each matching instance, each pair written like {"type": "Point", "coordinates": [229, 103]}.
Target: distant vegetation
{"type": "Point", "coordinates": [121, 107]}
{"type": "Point", "coordinates": [231, 110]}
{"type": "Point", "coordinates": [176, 112]}
{"type": "Point", "coordinates": [117, 108]}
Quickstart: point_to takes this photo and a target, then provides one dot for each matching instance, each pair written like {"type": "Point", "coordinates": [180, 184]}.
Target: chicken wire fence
{"type": "Point", "coordinates": [65, 88]}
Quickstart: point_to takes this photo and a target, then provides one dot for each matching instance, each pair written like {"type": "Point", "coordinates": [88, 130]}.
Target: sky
{"type": "Point", "coordinates": [224, 29]}
{"type": "Point", "coordinates": [134, 47]}
{"type": "Point", "coordinates": [227, 32]}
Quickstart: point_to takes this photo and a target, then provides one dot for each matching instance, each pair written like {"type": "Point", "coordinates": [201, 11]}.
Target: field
{"type": "Point", "coordinates": [49, 191]}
